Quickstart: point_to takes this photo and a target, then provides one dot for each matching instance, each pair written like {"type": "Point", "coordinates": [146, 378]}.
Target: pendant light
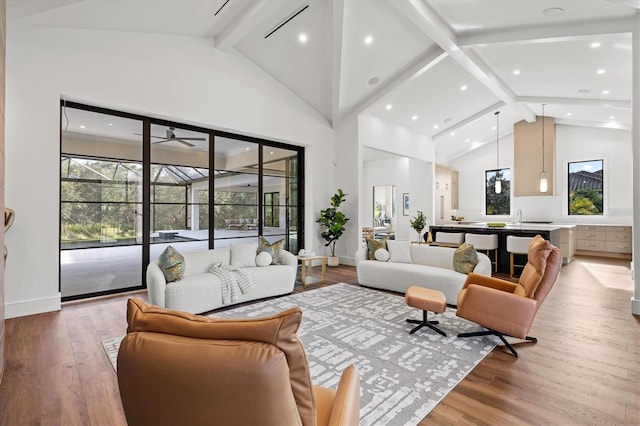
{"type": "Point", "coordinates": [543, 174]}
{"type": "Point", "coordinates": [498, 182]}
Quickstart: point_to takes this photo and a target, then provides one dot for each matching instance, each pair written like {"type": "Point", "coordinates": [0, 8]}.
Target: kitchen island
{"type": "Point", "coordinates": [548, 231]}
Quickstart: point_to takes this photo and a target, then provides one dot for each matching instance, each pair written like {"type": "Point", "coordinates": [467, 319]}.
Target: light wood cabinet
{"type": "Point", "coordinates": [527, 156]}
{"type": "Point", "coordinates": [605, 240]}
{"type": "Point", "coordinates": [446, 197]}
{"type": "Point", "coordinates": [568, 243]}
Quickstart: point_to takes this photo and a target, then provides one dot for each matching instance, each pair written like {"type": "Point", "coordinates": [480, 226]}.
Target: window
{"type": "Point", "coordinates": [497, 204]}
{"type": "Point", "coordinates": [272, 209]}
{"type": "Point", "coordinates": [585, 187]}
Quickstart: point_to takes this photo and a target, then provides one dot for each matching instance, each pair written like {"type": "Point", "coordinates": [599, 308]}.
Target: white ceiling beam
{"type": "Point", "coordinates": [574, 101]}
{"type": "Point", "coordinates": [407, 75]}
{"type": "Point", "coordinates": [630, 3]}
{"type": "Point", "coordinates": [336, 68]}
{"type": "Point", "coordinates": [252, 16]}
{"type": "Point", "coordinates": [564, 31]}
{"type": "Point", "coordinates": [596, 124]}
{"type": "Point", "coordinates": [430, 23]}
{"type": "Point", "coordinates": [469, 119]}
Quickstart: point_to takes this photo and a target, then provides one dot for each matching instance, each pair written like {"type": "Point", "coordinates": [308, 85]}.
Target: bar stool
{"type": "Point", "coordinates": [517, 245]}
{"type": "Point", "coordinates": [486, 243]}
{"type": "Point", "coordinates": [452, 238]}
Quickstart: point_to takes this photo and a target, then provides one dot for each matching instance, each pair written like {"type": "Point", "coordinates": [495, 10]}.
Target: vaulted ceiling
{"type": "Point", "coordinates": [439, 67]}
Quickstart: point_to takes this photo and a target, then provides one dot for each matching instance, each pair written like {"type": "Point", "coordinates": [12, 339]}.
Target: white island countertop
{"type": "Point", "coordinates": [510, 226]}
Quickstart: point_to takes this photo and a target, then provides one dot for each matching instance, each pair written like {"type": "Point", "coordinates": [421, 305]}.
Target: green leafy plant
{"type": "Point", "coordinates": [419, 222]}
{"type": "Point", "coordinates": [333, 221]}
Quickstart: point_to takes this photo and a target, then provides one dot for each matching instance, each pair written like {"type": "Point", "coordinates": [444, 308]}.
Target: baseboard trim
{"type": "Point", "coordinates": [603, 254]}
{"type": "Point", "coordinates": [33, 306]}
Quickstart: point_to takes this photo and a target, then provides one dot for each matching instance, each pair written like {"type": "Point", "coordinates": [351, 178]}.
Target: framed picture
{"type": "Point", "coordinates": [405, 204]}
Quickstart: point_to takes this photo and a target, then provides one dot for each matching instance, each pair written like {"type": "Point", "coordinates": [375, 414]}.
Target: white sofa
{"type": "Point", "coordinates": [430, 267]}
{"type": "Point", "coordinates": [200, 291]}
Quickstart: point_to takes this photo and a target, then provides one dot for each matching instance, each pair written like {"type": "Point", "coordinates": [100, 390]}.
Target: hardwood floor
{"type": "Point", "coordinates": [585, 368]}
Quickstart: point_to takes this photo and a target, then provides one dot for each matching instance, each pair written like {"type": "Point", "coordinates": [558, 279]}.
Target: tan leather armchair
{"type": "Point", "coordinates": [506, 308]}
{"type": "Point", "coordinates": [178, 368]}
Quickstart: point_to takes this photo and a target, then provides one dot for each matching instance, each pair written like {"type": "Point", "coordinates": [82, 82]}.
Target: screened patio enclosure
{"type": "Point", "coordinates": [130, 187]}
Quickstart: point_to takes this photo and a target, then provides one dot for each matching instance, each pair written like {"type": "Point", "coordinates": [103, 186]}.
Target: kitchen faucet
{"type": "Point", "coordinates": [519, 214]}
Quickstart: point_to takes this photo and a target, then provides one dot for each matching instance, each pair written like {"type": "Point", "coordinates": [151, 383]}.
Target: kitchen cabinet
{"type": "Point", "coordinates": [605, 240]}
{"type": "Point", "coordinates": [568, 243]}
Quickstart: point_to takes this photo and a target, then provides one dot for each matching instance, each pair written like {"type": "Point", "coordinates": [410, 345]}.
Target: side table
{"type": "Point", "coordinates": [307, 265]}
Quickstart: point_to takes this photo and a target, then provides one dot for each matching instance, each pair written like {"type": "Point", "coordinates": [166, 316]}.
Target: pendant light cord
{"type": "Point", "coordinates": [543, 137]}
{"type": "Point", "coordinates": [497, 114]}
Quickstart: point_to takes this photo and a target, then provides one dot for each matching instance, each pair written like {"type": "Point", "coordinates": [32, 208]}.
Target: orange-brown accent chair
{"type": "Point", "coordinates": [177, 368]}
{"type": "Point", "coordinates": [506, 308]}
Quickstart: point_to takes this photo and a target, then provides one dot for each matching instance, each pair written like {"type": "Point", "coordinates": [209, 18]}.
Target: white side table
{"type": "Point", "coordinates": [307, 266]}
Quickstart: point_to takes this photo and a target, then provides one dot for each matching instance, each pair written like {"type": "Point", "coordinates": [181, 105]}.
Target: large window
{"type": "Point", "coordinates": [498, 203]}
{"type": "Point", "coordinates": [586, 187]}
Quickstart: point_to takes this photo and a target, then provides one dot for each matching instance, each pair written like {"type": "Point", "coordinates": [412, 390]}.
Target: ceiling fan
{"type": "Point", "coordinates": [171, 136]}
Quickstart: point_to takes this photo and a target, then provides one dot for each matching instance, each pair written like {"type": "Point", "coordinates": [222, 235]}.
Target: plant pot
{"type": "Point", "coordinates": [333, 261]}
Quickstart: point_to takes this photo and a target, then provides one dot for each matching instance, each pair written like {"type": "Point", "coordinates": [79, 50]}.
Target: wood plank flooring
{"type": "Point", "coordinates": [585, 368]}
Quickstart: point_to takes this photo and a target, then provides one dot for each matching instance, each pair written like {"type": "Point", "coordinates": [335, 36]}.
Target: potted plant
{"type": "Point", "coordinates": [418, 223]}
{"type": "Point", "coordinates": [333, 223]}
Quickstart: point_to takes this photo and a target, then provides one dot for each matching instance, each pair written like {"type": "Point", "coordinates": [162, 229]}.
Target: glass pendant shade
{"type": "Point", "coordinates": [498, 187]}
{"type": "Point", "coordinates": [543, 182]}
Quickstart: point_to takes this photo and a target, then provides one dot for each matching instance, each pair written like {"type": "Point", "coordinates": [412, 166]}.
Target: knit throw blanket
{"type": "Point", "coordinates": [233, 280]}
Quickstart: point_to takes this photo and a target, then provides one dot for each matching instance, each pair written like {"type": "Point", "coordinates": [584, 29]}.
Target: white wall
{"type": "Point", "coordinates": [179, 78]}
{"type": "Point", "coordinates": [572, 144]}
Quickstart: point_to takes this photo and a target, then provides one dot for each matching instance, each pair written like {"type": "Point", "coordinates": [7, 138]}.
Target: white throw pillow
{"type": "Point", "coordinates": [263, 259]}
{"type": "Point", "coordinates": [382, 255]}
{"type": "Point", "coordinates": [243, 255]}
{"type": "Point", "coordinates": [399, 251]}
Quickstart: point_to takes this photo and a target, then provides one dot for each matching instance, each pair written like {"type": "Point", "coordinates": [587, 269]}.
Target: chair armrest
{"type": "Point", "coordinates": [487, 281]}
{"type": "Point", "coordinates": [346, 407]}
{"type": "Point", "coordinates": [289, 259]}
{"type": "Point", "coordinates": [156, 284]}
{"type": "Point", "coordinates": [492, 308]}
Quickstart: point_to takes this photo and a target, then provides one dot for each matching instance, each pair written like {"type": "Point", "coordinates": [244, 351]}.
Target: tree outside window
{"type": "Point", "coordinates": [497, 204]}
{"type": "Point", "coordinates": [586, 187]}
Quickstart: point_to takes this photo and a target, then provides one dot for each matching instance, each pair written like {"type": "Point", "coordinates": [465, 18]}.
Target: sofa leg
{"type": "Point", "coordinates": [425, 323]}
{"type": "Point", "coordinates": [489, 332]}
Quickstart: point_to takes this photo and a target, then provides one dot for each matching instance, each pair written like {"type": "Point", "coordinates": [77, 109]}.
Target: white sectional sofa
{"type": "Point", "coordinates": [428, 266]}
{"type": "Point", "coordinates": [200, 291]}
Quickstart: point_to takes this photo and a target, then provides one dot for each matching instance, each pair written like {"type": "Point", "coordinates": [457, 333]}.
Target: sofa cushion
{"type": "Point", "coordinates": [198, 262]}
{"type": "Point", "coordinates": [243, 254]}
{"type": "Point", "coordinates": [263, 259]}
{"type": "Point", "coordinates": [465, 259]}
{"type": "Point", "coordinates": [373, 245]}
{"type": "Point", "coordinates": [399, 251]}
{"type": "Point", "coordinates": [382, 255]}
{"type": "Point", "coordinates": [274, 249]}
{"type": "Point", "coordinates": [171, 263]}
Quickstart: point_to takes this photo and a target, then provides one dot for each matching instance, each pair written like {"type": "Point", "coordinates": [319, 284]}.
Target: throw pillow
{"type": "Point", "coordinates": [171, 263]}
{"type": "Point", "coordinates": [373, 245]}
{"type": "Point", "coordinates": [382, 255]}
{"type": "Point", "coordinates": [465, 258]}
{"type": "Point", "coordinates": [243, 255]}
{"type": "Point", "coordinates": [263, 259]}
{"type": "Point", "coordinates": [399, 251]}
{"type": "Point", "coordinates": [274, 249]}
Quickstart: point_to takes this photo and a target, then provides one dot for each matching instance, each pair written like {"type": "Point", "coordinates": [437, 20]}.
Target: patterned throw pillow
{"type": "Point", "coordinates": [171, 263]}
{"type": "Point", "coordinates": [465, 259]}
{"type": "Point", "coordinates": [275, 249]}
{"type": "Point", "coordinates": [373, 245]}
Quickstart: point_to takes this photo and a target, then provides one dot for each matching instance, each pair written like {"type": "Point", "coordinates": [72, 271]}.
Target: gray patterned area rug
{"type": "Point", "coordinates": [403, 376]}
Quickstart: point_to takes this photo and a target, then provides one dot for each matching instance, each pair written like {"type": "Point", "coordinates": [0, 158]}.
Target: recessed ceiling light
{"type": "Point", "coordinates": [612, 117]}
{"type": "Point", "coordinates": [467, 140]}
{"type": "Point", "coordinates": [270, 152]}
{"type": "Point", "coordinates": [493, 128]}
{"type": "Point", "coordinates": [247, 148]}
{"type": "Point", "coordinates": [463, 88]}
{"type": "Point", "coordinates": [595, 44]}
{"type": "Point", "coordinates": [553, 11]}
{"type": "Point", "coordinates": [368, 39]}
{"type": "Point", "coordinates": [516, 72]}
{"type": "Point", "coordinates": [414, 118]}
{"type": "Point", "coordinates": [388, 107]}
{"type": "Point", "coordinates": [601, 71]}
{"type": "Point", "coordinates": [374, 80]}
{"type": "Point", "coordinates": [82, 126]}
{"type": "Point", "coordinates": [569, 114]}
{"type": "Point", "coordinates": [452, 133]}
{"type": "Point", "coordinates": [605, 92]}
{"type": "Point", "coordinates": [110, 124]}
{"type": "Point", "coordinates": [435, 126]}
{"type": "Point", "coordinates": [302, 38]}
{"type": "Point", "coordinates": [584, 91]}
